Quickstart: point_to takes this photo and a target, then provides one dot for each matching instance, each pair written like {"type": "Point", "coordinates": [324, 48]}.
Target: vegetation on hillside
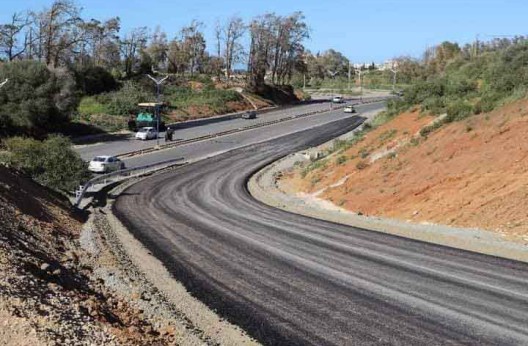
{"type": "Point", "coordinates": [51, 162]}
{"type": "Point", "coordinates": [460, 83]}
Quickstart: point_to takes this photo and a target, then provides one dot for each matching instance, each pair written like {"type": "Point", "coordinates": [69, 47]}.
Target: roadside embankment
{"type": "Point", "coordinates": [289, 185]}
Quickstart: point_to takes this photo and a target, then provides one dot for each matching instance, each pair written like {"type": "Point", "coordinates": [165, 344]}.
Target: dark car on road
{"type": "Point", "coordinates": [249, 115]}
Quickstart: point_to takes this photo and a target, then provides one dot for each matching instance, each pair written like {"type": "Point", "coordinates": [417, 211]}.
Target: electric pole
{"type": "Point", "coordinates": [360, 72]}
{"type": "Point", "coordinates": [349, 73]}
{"type": "Point", "coordinates": [394, 72]}
{"type": "Point", "coordinates": [156, 108]}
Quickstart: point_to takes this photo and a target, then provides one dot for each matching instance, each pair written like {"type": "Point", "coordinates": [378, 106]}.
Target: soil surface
{"type": "Point", "coordinates": [472, 173]}
{"type": "Point", "coordinates": [62, 282]}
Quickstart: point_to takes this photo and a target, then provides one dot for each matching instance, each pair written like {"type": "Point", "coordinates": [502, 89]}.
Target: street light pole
{"type": "Point", "coordinates": [158, 83]}
{"type": "Point", "coordinates": [349, 73]}
{"type": "Point", "coordinates": [394, 71]}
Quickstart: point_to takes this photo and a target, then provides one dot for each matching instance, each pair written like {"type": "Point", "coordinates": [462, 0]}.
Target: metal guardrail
{"type": "Point", "coordinates": [121, 175]}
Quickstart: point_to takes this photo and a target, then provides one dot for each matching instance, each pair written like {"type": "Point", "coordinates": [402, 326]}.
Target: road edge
{"type": "Point", "coordinates": [135, 258]}
{"type": "Point", "coordinates": [262, 186]}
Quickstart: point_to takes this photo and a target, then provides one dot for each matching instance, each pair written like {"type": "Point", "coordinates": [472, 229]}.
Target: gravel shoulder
{"type": "Point", "coordinates": [125, 265]}
{"type": "Point", "coordinates": [264, 187]}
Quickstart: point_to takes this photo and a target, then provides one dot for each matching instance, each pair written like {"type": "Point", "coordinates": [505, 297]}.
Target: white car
{"type": "Point", "coordinates": [105, 164]}
{"type": "Point", "coordinates": [338, 99]}
{"type": "Point", "coordinates": [145, 133]}
{"type": "Point", "coordinates": [349, 109]}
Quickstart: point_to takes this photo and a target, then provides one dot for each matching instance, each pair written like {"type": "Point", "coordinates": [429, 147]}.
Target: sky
{"type": "Point", "coordinates": [363, 30]}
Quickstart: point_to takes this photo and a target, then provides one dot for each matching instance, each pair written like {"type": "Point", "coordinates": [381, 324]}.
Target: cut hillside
{"type": "Point", "coordinates": [47, 295]}
{"type": "Point", "coordinates": [471, 173]}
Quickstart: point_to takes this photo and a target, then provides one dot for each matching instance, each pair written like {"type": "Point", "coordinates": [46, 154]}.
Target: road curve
{"type": "Point", "coordinates": [290, 279]}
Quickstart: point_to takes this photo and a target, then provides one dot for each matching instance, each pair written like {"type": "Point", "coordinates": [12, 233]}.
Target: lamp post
{"type": "Point", "coordinates": [394, 72]}
{"type": "Point", "coordinates": [158, 82]}
{"type": "Point", "coordinates": [360, 72]}
{"type": "Point", "coordinates": [333, 74]}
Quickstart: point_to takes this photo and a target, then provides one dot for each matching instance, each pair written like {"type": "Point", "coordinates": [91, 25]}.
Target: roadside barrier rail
{"type": "Point", "coordinates": [121, 175]}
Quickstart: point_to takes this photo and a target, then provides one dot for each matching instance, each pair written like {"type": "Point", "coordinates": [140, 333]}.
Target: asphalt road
{"type": "Point", "coordinates": [127, 143]}
{"type": "Point", "coordinates": [197, 150]}
{"type": "Point", "coordinates": [290, 279]}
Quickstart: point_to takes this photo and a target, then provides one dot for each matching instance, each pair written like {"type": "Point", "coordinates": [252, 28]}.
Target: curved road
{"type": "Point", "coordinates": [289, 279]}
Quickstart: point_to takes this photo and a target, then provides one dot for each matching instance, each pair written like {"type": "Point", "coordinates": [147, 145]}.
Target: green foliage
{"type": "Point", "coordinates": [92, 80]}
{"type": "Point", "coordinates": [90, 105]}
{"type": "Point", "coordinates": [464, 86]}
{"type": "Point", "coordinates": [341, 159]}
{"type": "Point", "coordinates": [386, 135]}
{"type": "Point", "coordinates": [36, 99]}
{"type": "Point", "coordinates": [123, 101]}
{"type": "Point", "coordinates": [52, 162]}
{"type": "Point", "coordinates": [318, 164]}
{"type": "Point", "coordinates": [215, 99]}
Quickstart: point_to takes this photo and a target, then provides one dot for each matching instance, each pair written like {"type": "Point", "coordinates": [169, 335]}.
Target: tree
{"type": "Point", "coordinates": [334, 63]}
{"type": "Point", "coordinates": [232, 32]}
{"type": "Point", "coordinates": [158, 49]}
{"type": "Point", "coordinates": [276, 46]}
{"type": "Point", "coordinates": [37, 98]}
{"type": "Point", "coordinates": [10, 35]}
{"type": "Point", "coordinates": [193, 44]}
{"type": "Point", "coordinates": [101, 42]}
{"type": "Point", "coordinates": [58, 30]}
{"type": "Point", "coordinates": [52, 162]}
{"type": "Point", "coordinates": [131, 46]}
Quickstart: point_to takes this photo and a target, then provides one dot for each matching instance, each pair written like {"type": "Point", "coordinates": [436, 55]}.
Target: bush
{"type": "Point", "coordinates": [36, 99]}
{"type": "Point", "coordinates": [125, 100]}
{"type": "Point", "coordinates": [458, 110]}
{"type": "Point", "coordinates": [341, 160]}
{"type": "Point", "coordinates": [52, 162]}
{"type": "Point", "coordinates": [89, 105]}
{"type": "Point", "coordinates": [94, 80]}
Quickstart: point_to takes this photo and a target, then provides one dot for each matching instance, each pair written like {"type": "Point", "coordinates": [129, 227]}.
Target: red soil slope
{"type": "Point", "coordinates": [472, 173]}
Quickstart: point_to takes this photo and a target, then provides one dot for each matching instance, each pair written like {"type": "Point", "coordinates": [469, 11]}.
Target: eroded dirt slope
{"type": "Point", "coordinates": [472, 173]}
{"type": "Point", "coordinates": [47, 295]}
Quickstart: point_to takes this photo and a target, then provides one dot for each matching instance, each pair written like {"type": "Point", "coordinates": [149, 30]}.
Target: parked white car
{"type": "Point", "coordinates": [105, 164]}
{"type": "Point", "coordinates": [145, 133]}
{"type": "Point", "coordinates": [349, 109]}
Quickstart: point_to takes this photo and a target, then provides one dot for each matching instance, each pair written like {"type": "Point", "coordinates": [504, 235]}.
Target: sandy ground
{"type": "Point", "coordinates": [472, 173]}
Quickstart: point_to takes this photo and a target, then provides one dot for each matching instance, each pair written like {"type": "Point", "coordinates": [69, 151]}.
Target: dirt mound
{"type": "Point", "coordinates": [44, 283]}
{"type": "Point", "coordinates": [472, 173]}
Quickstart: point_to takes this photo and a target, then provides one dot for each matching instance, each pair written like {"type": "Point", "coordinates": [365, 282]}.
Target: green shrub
{"type": "Point", "coordinates": [361, 165]}
{"type": "Point", "coordinates": [125, 100]}
{"type": "Point", "coordinates": [92, 80]}
{"type": "Point", "coordinates": [458, 110]}
{"type": "Point", "coordinates": [52, 162]}
{"type": "Point", "coordinates": [341, 160]}
{"type": "Point", "coordinates": [90, 105]}
{"type": "Point", "coordinates": [36, 99]}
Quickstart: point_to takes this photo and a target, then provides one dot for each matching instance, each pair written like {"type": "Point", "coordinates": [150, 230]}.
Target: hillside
{"type": "Point", "coordinates": [470, 173]}
{"type": "Point", "coordinates": [47, 295]}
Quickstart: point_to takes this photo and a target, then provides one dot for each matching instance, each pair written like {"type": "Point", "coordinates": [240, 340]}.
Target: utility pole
{"type": "Point", "coordinates": [304, 81]}
{"type": "Point", "coordinates": [394, 71]}
{"type": "Point", "coordinates": [349, 74]}
{"type": "Point", "coordinates": [360, 72]}
{"type": "Point", "coordinates": [156, 108]}
{"type": "Point", "coordinates": [3, 83]}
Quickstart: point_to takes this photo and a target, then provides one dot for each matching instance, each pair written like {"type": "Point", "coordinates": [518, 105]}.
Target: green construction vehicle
{"type": "Point", "coordinates": [147, 117]}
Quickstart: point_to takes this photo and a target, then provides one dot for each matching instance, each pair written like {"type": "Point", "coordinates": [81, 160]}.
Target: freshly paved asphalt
{"type": "Point", "coordinates": [290, 279]}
